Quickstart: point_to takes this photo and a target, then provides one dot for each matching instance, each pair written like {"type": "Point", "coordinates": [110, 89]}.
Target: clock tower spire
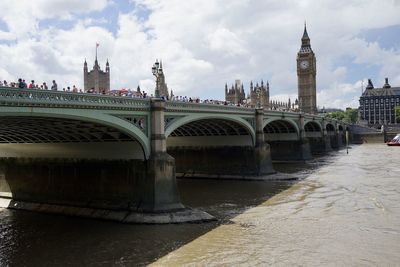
{"type": "Point", "coordinates": [306, 76]}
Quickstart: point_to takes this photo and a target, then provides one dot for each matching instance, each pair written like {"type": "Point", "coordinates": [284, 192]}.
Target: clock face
{"type": "Point", "coordinates": [304, 64]}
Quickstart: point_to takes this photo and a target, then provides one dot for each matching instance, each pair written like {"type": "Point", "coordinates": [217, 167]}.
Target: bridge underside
{"type": "Point", "coordinates": [70, 162]}
{"type": "Point", "coordinates": [56, 130]}
{"type": "Point", "coordinates": [283, 138]}
{"type": "Point", "coordinates": [213, 148]}
{"type": "Point", "coordinates": [64, 138]}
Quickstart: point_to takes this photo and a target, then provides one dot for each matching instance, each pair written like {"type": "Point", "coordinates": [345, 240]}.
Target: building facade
{"type": "Point", "coordinates": [235, 94]}
{"type": "Point", "coordinates": [259, 94]}
{"type": "Point", "coordinates": [96, 80]}
{"type": "Point", "coordinates": [306, 76]}
{"type": "Point", "coordinates": [377, 105]}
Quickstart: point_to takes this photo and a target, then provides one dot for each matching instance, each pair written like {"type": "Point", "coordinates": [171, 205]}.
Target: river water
{"type": "Point", "coordinates": [344, 211]}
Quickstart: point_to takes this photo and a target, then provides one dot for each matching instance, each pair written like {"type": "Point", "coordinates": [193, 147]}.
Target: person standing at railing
{"type": "Point", "coordinates": [21, 83]}
{"type": "Point", "coordinates": [54, 86]}
{"type": "Point", "coordinates": [32, 85]}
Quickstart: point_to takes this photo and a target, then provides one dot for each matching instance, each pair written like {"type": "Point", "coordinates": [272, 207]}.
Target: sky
{"type": "Point", "coordinates": [204, 44]}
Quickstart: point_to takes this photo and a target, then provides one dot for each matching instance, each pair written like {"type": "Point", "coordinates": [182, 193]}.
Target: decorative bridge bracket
{"type": "Point", "coordinates": [251, 121]}
{"type": "Point", "coordinates": [169, 119]}
{"type": "Point", "coordinates": [140, 121]}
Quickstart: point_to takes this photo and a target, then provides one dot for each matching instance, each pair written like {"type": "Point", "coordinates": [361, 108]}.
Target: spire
{"type": "Point", "coordinates": [305, 41]}
{"type": "Point", "coordinates": [107, 66]}
{"type": "Point", "coordinates": [305, 34]}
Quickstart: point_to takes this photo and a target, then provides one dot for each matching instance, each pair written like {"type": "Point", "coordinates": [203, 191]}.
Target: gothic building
{"type": "Point", "coordinates": [306, 76]}
{"type": "Point", "coordinates": [377, 105]}
{"type": "Point", "coordinates": [259, 90]}
{"type": "Point", "coordinates": [96, 80]}
{"type": "Point", "coordinates": [235, 94]}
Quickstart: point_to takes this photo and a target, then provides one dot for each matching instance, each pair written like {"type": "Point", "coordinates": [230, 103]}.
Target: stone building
{"type": "Point", "coordinates": [96, 80]}
{"type": "Point", "coordinates": [264, 95]}
{"type": "Point", "coordinates": [235, 94]}
{"type": "Point", "coordinates": [377, 105]}
{"type": "Point", "coordinates": [306, 76]}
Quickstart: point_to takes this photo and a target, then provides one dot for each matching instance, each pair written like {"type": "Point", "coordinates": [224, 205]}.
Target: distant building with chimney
{"type": "Point", "coordinates": [378, 105]}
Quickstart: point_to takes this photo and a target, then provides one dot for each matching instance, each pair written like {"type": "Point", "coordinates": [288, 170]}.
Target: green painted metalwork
{"type": "Point", "coordinates": [175, 124]}
{"type": "Point", "coordinates": [45, 98]}
{"type": "Point", "coordinates": [132, 115]}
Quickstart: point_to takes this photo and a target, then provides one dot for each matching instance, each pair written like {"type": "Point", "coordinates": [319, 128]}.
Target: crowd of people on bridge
{"type": "Point", "coordinates": [21, 83]}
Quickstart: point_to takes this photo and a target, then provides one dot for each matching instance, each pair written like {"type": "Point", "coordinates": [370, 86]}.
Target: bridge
{"type": "Point", "coordinates": [96, 152]}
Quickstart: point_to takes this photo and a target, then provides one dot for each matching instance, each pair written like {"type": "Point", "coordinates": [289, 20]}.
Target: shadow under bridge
{"type": "Point", "coordinates": [211, 147]}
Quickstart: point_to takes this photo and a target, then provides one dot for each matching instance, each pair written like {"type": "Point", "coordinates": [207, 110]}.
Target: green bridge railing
{"type": "Point", "coordinates": [43, 98]}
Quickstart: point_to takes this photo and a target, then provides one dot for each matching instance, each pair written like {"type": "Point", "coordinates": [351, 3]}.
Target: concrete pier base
{"type": "Point", "coordinates": [320, 145]}
{"type": "Point", "coordinates": [334, 142]}
{"type": "Point", "coordinates": [227, 161]}
{"type": "Point", "coordinates": [159, 190]}
{"type": "Point", "coordinates": [298, 150]}
{"type": "Point", "coordinates": [131, 191]}
{"type": "Point", "coordinates": [186, 215]}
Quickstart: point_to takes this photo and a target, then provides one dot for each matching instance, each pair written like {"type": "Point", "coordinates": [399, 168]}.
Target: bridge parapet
{"type": "Point", "coordinates": [172, 106]}
{"type": "Point", "coordinates": [44, 98]}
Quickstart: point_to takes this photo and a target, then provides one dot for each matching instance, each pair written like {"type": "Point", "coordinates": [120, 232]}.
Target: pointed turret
{"type": "Point", "coordinates": [107, 66]}
{"type": "Point", "coordinates": [305, 41]}
{"type": "Point", "coordinates": [305, 34]}
{"type": "Point", "coordinates": [85, 68]}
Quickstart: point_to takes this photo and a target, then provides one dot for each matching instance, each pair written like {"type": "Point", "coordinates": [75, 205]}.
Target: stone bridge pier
{"type": "Point", "coordinates": [159, 189]}
{"type": "Point", "coordinates": [287, 139]}
{"type": "Point", "coordinates": [221, 148]}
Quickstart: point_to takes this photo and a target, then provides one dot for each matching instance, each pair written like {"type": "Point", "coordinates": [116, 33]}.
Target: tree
{"type": "Point", "coordinates": [349, 116]}
{"type": "Point", "coordinates": [398, 113]}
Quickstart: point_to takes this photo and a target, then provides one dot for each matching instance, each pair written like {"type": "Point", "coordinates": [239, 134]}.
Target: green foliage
{"type": "Point", "coordinates": [398, 113]}
{"type": "Point", "coordinates": [349, 116]}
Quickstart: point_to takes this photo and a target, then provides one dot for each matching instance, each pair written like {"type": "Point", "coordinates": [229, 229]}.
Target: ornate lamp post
{"type": "Point", "coordinates": [157, 72]}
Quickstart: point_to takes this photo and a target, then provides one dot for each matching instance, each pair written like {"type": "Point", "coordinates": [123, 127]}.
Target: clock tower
{"type": "Point", "coordinates": [306, 76]}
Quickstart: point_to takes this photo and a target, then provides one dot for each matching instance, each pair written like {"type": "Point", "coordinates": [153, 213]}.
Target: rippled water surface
{"type": "Point", "coordinates": [346, 211]}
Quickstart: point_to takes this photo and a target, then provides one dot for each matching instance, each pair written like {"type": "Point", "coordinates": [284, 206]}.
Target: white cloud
{"type": "Point", "coordinates": [202, 43]}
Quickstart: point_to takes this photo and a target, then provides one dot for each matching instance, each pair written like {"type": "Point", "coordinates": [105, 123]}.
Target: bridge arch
{"type": "Point", "coordinates": [280, 129]}
{"type": "Point", "coordinates": [126, 128]}
{"type": "Point", "coordinates": [210, 125]}
{"type": "Point", "coordinates": [312, 126]}
{"type": "Point", "coordinates": [330, 127]}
